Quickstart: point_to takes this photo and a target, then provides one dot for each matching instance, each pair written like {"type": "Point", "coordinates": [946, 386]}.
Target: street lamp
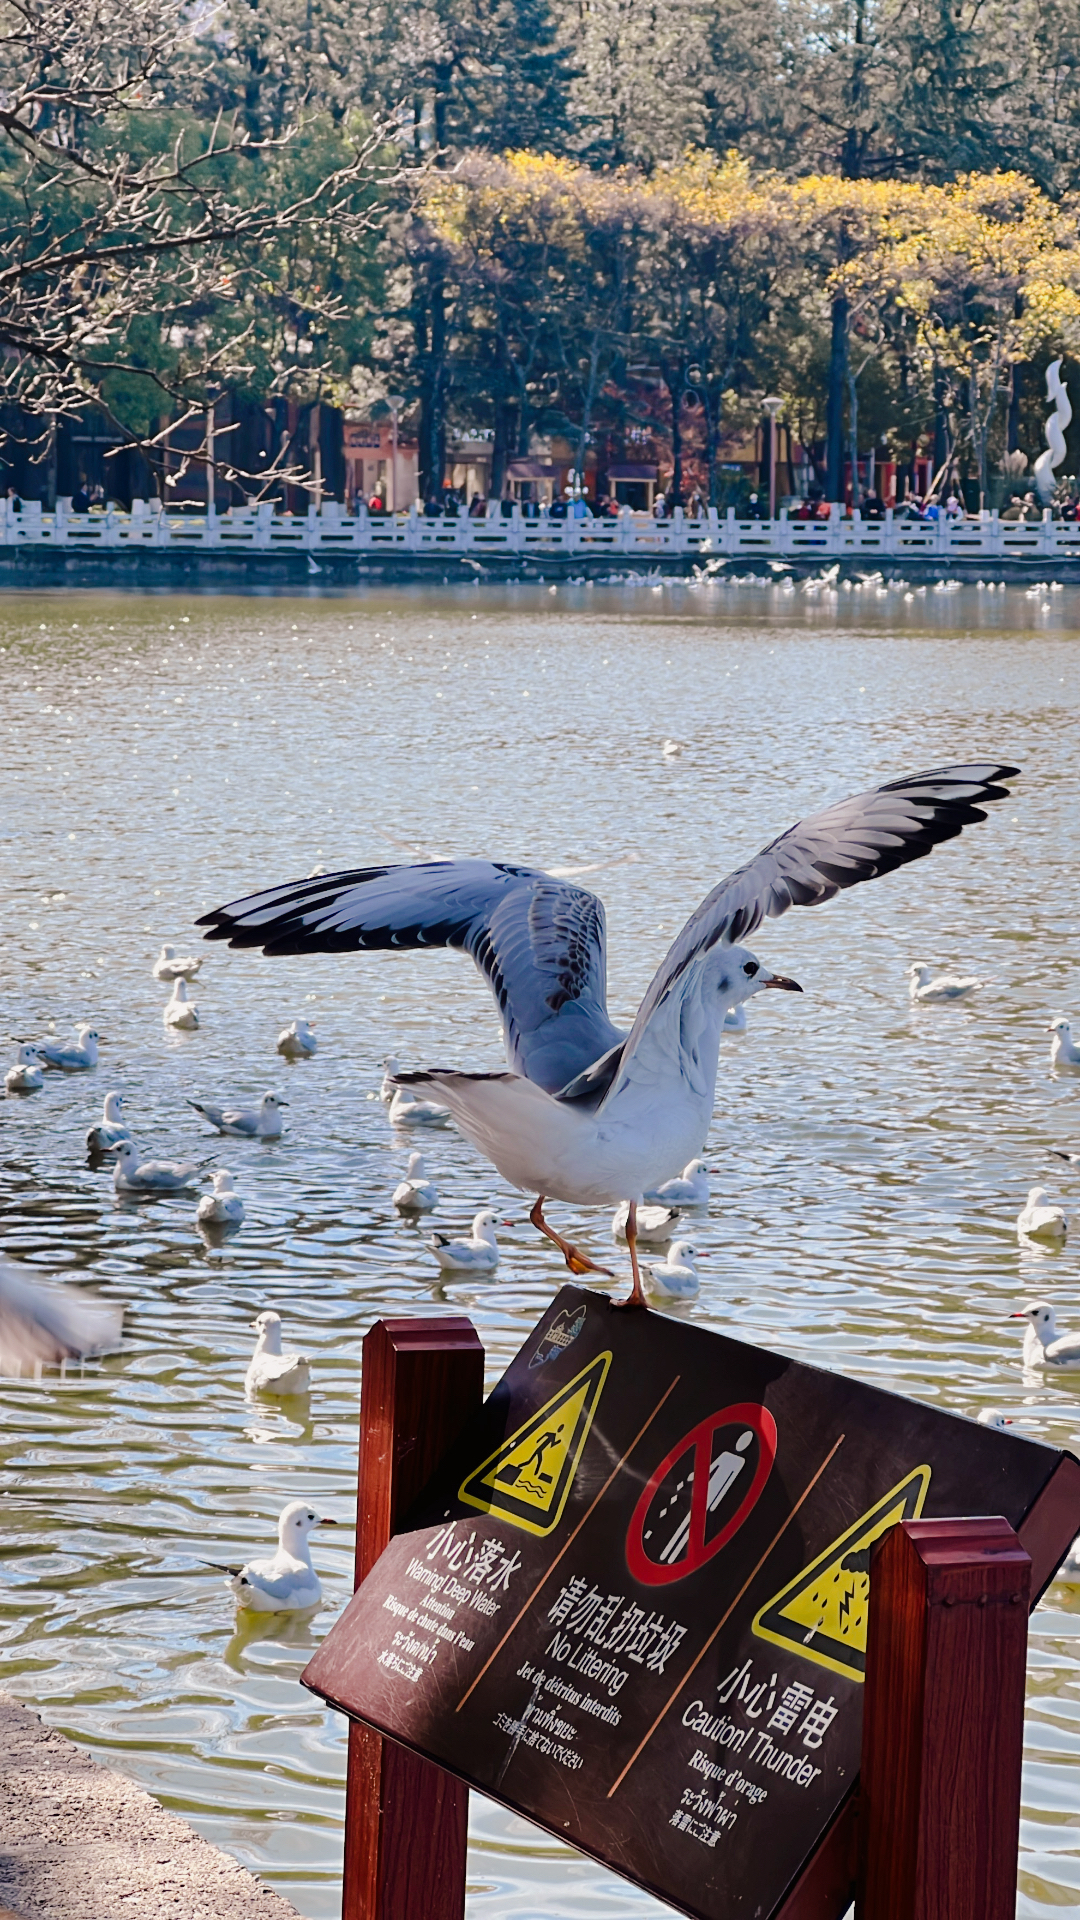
{"type": "Point", "coordinates": [772, 404]}
{"type": "Point", "coordinates": [395, 402]}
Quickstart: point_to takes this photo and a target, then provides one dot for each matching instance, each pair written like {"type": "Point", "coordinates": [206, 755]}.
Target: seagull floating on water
{"type": "Point", "coordinates": [1064, 1051]}
{"type": "Point", "coordinates": [926, 986]}
{"type": "Point", "coordinates": [223, 1207]}
{"type": "Point", "coordinates": [77, 1059]}
{"type": "Point", "coordinates": [1041, 1218]}
{"type": "Point", "coordinates": [286, 1582]}
{"type": "Point", "coordinates": [408, 1110]}
{"type": "Point", "coordinates": [178, 1010]}
{"type": "Point", "coordinates": [1044, 1346]}
{"type": "Point", "coordinates": [270, 1370]}
{"type": "Point", "coordinates": [170, 966]}
{"type": "Point", "coordinates": [589, 1114]}
{"type": "Point", "coordinates": [416, 1193]}
{"type": "Point", "coordinates": [478, 1254]}
{"type": "Point", "coordinates": [42, 1325]}
{"type": "Point", "coordinates": [690, 1188]}
{"type": "Point", "coordinates": [28, 1074]}
{"type": "Point", "coordinates": [111, 1128]}
{"type": "Point", "coordinates": [150, 1176]}
{"type": "Point", "coordinates": [246, 1123]}
{"type": "Point", "coordinates": [296, 1041]}
{"type": "Point", "coordinates": [654, 1225]}
{"type": "Point", "coordinates": [677, 1277]}
{"type": "Point", "coordinates": [990, 1417]}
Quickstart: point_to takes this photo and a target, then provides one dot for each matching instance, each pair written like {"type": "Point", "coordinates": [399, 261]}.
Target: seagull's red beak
{"type": "Point", "coordinates": [779, 980]}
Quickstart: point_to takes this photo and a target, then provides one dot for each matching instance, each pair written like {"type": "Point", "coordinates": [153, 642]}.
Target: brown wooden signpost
{"type": "Point", "coordinates": [633, 1603]}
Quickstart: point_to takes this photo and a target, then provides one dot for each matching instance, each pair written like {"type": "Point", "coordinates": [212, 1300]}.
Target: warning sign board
{"type": "Point", "coordinates": [630, 1604]}
{"type": "Point", "coordinates": [821, 1615]}
{"type": "Point", "coordinates": [528, 1478]}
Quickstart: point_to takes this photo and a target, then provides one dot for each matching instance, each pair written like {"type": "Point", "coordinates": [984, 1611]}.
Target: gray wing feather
{"type": "Point", "coordinates": [855, 840]}
{"type": "Point", "coordinates": [539, 943]}
{"type": "Point", "coordinates": [42, 1325]}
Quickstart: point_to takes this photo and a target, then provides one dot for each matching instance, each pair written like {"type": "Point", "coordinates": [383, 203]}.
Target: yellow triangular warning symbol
{"type": "Point", "coordinates": [821, 1614]}
{"type": "Point", "coordinates": [527, 1481]}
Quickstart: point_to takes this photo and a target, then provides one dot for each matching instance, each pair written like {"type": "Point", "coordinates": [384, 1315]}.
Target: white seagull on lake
{"type": "Point", "coordinates": [478, 1254]}
{"type": "Point", "coordinates": [28, 1074]}
{"type": "Point", "coordinates": [589, 1114]}
{"type": "Point", "coordinates": [296, 1041]}
{"type": "Point", "coordinates": [1041, 1218]}
{"type": "Point", "coordinates": [1044, 1346]}
{"type": "Point", "coordinates": [926, 986]}
{"type": "Point", "coordinates": [270, 1370]}
{"type": "Point", "coordinates": [150, 1176]}
{"type": "Point", "coordinates": [245, 1123]}
{"type": "Point", "coordinates": [170, 966]}
{"type": "Point", "coordinates": [178, 1010]}
{"type": "Point", "coordinates": [690, 1188]}
{"type": "Point", "coordinates": [416, 1193]}
{"type": "Point", "coordinates": [77, 1059]}
{"type": "Point", "coordinates": [286, 1582]}
{"type": "Point", "coordinates": [111, 1128]}
{"type": "Point", "coordinates": [408, 1110]}
{"type": "Point", "coordinates": [223, 1207]}
{"type": "Point", "coordinates": [1064, 1051]}
{"type": "Point", "coordinates": [677, 1277]}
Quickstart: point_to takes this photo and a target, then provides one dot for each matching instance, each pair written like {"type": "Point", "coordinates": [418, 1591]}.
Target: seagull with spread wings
{"type": "Point", "coordinates": [587, 1113]}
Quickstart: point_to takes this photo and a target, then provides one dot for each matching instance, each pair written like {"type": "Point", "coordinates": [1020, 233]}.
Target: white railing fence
{"type": "Point", "coordinates": [260, 529]}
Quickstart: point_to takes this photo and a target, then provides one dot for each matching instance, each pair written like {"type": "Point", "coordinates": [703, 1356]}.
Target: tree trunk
{"type": "Point", "coordinates": [500, 446]}
{"type": "Point", "coordinates": [1012, 418]}
{"type": "Point", "coordinates": [834, 411]}
{"type": "Point", "coordinates": [941, 422]}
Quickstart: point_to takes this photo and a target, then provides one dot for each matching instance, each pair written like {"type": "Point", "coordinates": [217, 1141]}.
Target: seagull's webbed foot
{"type": "Point", "coordinates": [577, 1261]}
{"type": "Point", "coordinates": [636, 1296]}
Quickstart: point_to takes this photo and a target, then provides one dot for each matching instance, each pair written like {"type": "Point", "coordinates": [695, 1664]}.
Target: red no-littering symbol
{"type": "Point", "coordinates": [687, 1548]}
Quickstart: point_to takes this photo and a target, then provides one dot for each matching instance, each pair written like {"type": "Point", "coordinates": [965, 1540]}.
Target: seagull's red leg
{"type": "Point", "coordinates": [577, 1261]}
{"type": "Point", "coordinates": [636, 1296]}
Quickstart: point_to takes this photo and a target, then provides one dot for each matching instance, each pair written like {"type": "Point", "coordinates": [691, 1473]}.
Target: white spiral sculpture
{"type": "Point", "coordinates": [1056, 391]}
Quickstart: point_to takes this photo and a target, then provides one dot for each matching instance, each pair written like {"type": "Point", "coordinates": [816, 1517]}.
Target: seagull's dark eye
{"type": "Point", "coordinates": [750, 969]}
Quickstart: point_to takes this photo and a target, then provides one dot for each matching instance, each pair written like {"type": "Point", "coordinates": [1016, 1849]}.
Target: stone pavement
{"type": "Point", "coordinates": [78, 1842]}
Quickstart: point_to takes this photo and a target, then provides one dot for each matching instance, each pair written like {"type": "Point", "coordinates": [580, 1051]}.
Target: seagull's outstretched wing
{"type": "Point", "coordinates": [539, 943]}
{"type": "Point", "coordinates": [854, 840]}
{"type": "Point", "coordinates": [42, 1325]}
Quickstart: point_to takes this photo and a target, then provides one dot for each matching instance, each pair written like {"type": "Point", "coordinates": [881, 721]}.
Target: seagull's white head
{"type": "Point", "coordinates": [415, 1168]}
{"type": "Point", "coordinates": [223, 1181]}
{"type": "Point", "coordinates": [268, 1327]}
{"type": "Point", "coordinates": [166, 953]}
{"type": "Point", "coordinates": [1040, 1314]}
{"type": "Point", "coordinates": [1039, 1196]}
{"type": "Point", "coordinates": [739, 974]}
{"type": "Point", "coordinates": [1061, 1025]}
{"type": "Point", "coordinates": [391, 1064]}
{"type": "Point", "coordinates": [683, 1254]}
{"type": "Point", "coordinates": [88, 1033]}
{"type": "Point", "coordinates": [483, 1224]}
{"type": "Point", "coordinates": [296, 1522]}
{"type": "Point", "coordinates": [179, 991]}
{"type": "Point", "coordinates": [918, 969]}
{"type": "Point", "coordinates": [270, 1102]}
{"type": "Point", "coordinates": [991, 1417]}
{"type": "Point", "coordinates": [113, 1105]}
{"type": "Point", "coordinates": [126, 1153]}
{"type": "Point", "coordinates": [28, 1056]}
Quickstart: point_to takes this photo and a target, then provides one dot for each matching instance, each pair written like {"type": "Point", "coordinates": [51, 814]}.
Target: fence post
{"type": "Point", "coordinates": [405, 1819]}
{"type": "Point", "coordinates": [943, 1715]}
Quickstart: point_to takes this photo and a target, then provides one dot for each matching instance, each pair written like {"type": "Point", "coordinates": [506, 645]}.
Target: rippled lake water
{"type": "Point", "coordinates": [166, 753]}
